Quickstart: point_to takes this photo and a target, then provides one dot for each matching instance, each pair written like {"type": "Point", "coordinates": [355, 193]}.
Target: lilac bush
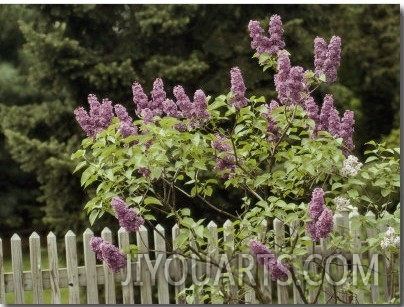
{"type": "Point", "coordinates": [290, 156]}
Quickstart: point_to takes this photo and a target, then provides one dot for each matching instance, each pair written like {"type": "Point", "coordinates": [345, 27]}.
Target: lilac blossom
{"type": "Point", "coordinates": [199, 110]}
{"type": "Point", "coordinates": [170, 108]}
{"type": "Point", "coordinates": [126, 127]}
{"type": "Point", "coordinates": [320, 55]}
{"type": "Point", "coordinates": [272, 129]}
{"type": "Point", "coordinates": [390, 239]}
{"type": "Point", "coordinates": [97, 119]}
{"type": "Point", "coordinates": [311, 109]}
{"type": "Point", "coordinates": [127, 217]}
{"type": "Point", "coordinates": [95, 244]}
{"type": "Point", "coordinates": [144, 171]}
{"type": "Point", "coordinates": [316, 205]}
{"type": "Point", "coordinates": [324, 224]}
{"type": "Point", "coordinates": [108, 253]}
{"type": "Point", "coordinates": [228, 162]}
{"type": "Point", "coordinates": [221, 144]}
{"type": "Point", "coordinates": [289, 81]}
{"type": "Point", "coordinates": [347, 130]}
{"type": "Point", "coordinates": [330, 121]}
{"type": "Point", "coordinates": [327, 58]}
{"type": "Point", "coordinates": [259, 41]}
{"type": "Point", "coordinates": [275, 34]}
{"type": "Point", "coordinates": [322, 218]}
{"type": "Point", "coordinates": [147, 115]}
{"type": "Point", "coordinates": [267, 257]}
{"type": "Point", "coordinates": [139, 98]}
{"type": "Point", "coordinates": [260, 249]}
{"type": "Point", "coordinates": [158, 96]}
{"type": "Point", "coordinates": [263, 44]}
{"type": "Point", "coordinates": [278, 270]}
{"type": "Point", "coordinates": [238, 88]}
{"type": "Point", "coordinates": [350, 167]}
{"type": "Point", "coordinates": [183, 101]}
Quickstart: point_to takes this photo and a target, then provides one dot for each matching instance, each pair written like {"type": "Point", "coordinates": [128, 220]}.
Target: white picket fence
{"type": "Point", "coordinates": [91, 279]}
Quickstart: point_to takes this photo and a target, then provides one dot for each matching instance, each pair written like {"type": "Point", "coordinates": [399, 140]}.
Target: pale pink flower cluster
{"type": "Point", "coordinates": [350, 167]}
{"type": "Point", "coordinates": [390, 239]}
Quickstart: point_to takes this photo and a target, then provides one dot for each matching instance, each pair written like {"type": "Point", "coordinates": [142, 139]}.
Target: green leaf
{"type": "Point", "coordinates": [78, 154]}
{"type": "Point", "coordinates": [87, 174]}
{"type": "Point", "coordinates": [371, 158]}
{"type": "Point", "coordinates": [93, 216]}
{"type": "Point", "coordinates": [150, 200]}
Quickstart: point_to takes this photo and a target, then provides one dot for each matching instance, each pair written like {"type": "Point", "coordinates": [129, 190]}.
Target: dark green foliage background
{"type": "Point", "coordinates": [53, 56]}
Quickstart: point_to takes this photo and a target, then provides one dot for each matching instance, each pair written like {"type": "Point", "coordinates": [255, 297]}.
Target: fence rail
{"type": "Point", "coordinates": [158, 277]}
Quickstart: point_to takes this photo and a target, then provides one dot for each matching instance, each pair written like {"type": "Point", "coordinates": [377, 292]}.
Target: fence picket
{"type": "Point", "coordinates": [127, 281]}
{"type": "Point", "coordinates": [36, 268]}
{"type": "Point", "coordinates": [356, 245]}
{"type": "Point", "coordinates": [160, 247]}
{"type": "Point", "coordinates": [341, 222]}
{"type": "Point", "coordinates": [294, 229]}
{"type": "Point", "coordinates": [91, 275]}
{"type": "Point", "coordinates": [228, 240]}
{"type": "Point", "coordinates": [178, 272]}
{"type": "Point", "coordinates": [53, 268]}
{"type": "Point", "coordinates": [213, 254]}
{"type": "Point", "coordinates": [145, 284]}
{"type": "Point", "coordinates": [109, 281]}
{"type": "Point", "coordinates": [371, 232]}
{"type": "Point", "coordinates": [16, 259]}
{"type": "Point", "coordinates": [279, 228]}
{"type": "Point", "coordinates": [72, 269]}
{"type": "Point", "coordinates": [90, 265]}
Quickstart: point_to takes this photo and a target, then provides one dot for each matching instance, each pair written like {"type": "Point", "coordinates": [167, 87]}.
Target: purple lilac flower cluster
{"type": "Point", "coordinates": [267, 257]}
{"type": "Point", "coordinates": [238, 88]}
{"type": "Point", "coordinates": [329, 120]}
{"type": "Point", "coordinates": [289, 81]}
{"type": "Point", "coordinates": [108, 253]}
{"type": "Point", "coordinates": [100, 117]}
{"type": "Point", "coordinates": [322, 218]}
{"type": "Point", "coordinates": [263, 44]}
{"type": "Point", "coordinates": [196, 111]}
{"type": "Point", "coordinates": [327, 58]}
{"type": "Point", "coordinates": [272, 129]}
{"type": "Point", "coordinates": [228, 161]}
{"type": "Point", "coordinates": [126, 127]}
{"type": "Point", "coordinates": [127, 217]}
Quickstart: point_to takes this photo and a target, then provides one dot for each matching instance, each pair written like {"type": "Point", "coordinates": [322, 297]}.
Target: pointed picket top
{"type": "Point", "coordinates": [142, 228]}
{"type": "Point", "coordinates": [34, 235]}
{"type": "Point", "coordinates": [88, 232]}
{"type": "Point", "coordinates": [227, 224]}
{"type": "Point", "coordinates": [212, 224]}
{"type": "Point", "coordinates": [70, 234]}
{"type": "Point", "coordinates": [51, 235]}
{"type": "Point", "coordinates": [160, 228]}
{"type": "Point", "coordinates": [15, 237]}
{"type": "Point", "coordinates": [354, 212]}
{"type": "Point", "coordinates": [370, 214]}
{"type": "Point", "coordinates": [175, 230]}
{"type": "Point", "coordinates": [106, 230]}
{"type": "Point", "coordinates": [121, 230]}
